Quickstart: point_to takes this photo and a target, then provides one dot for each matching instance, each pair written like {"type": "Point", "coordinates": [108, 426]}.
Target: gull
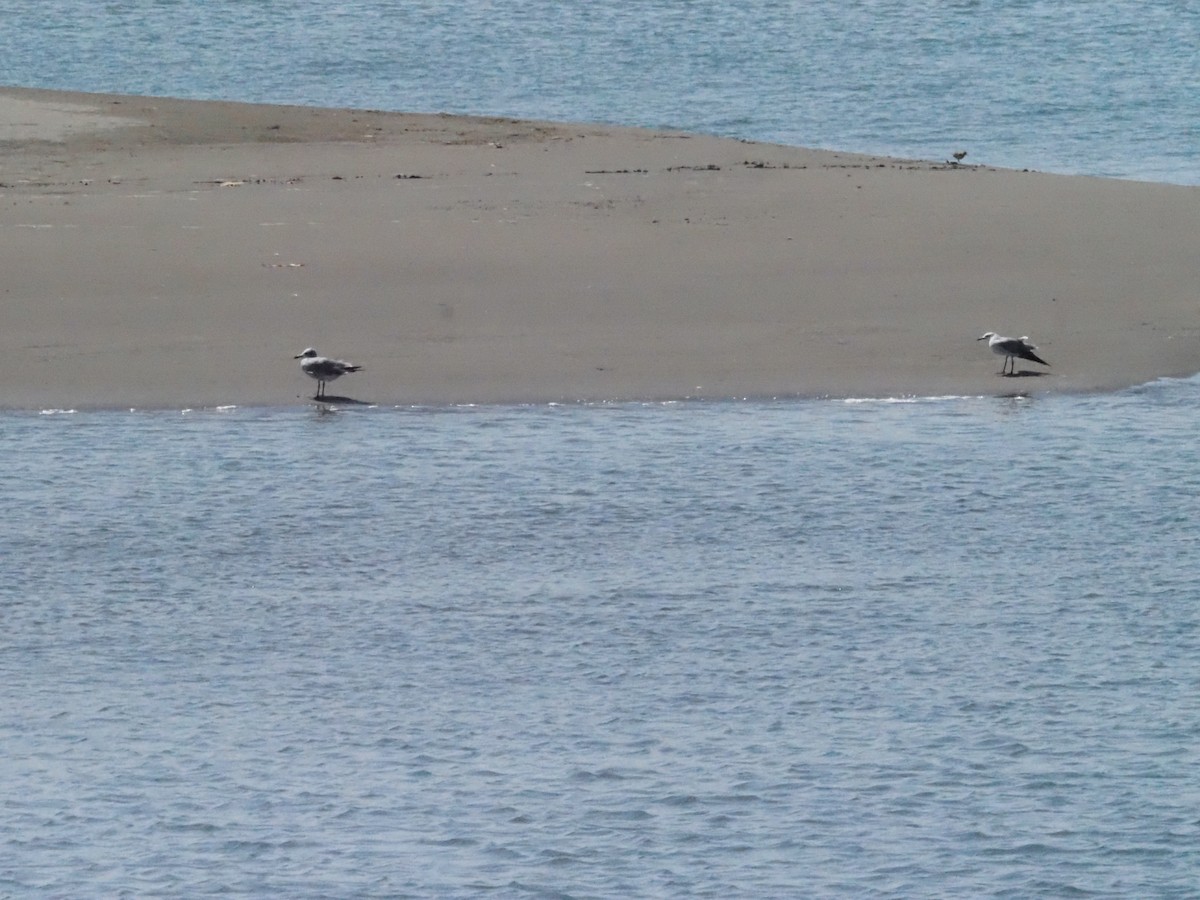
{"type": "Point", "coordinates": [1011, 349]}
{"type": "Point", "coordinates": [323, 369]}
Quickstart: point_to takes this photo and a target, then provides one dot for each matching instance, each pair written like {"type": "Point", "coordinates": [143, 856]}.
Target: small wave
{"type": "Point", "coordinates": [941, 398]}
{"type": "Point", "coordinates": [58, 412]}
{"type": "Point", "coordinates": [607, 774]}
{"type": "Point", "coordinates": [188, 410]}
{"type": "Point", "coordinates": [450, 842]}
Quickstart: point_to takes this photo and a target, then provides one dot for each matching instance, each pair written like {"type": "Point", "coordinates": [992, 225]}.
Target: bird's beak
{"type": "Point", "coordinates": [980, 338]}
{"type": "Point", "coordinates": [297, 356]}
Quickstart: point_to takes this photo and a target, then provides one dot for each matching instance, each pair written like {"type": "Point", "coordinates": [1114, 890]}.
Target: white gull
{"type": "Point", "coordinates": [1011, 349]}
{"type": "Point", "coordinates": [323, 369]}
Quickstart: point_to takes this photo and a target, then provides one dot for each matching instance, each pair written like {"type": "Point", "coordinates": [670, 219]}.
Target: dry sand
{"type": "Point", "coordinates": [168, 253]}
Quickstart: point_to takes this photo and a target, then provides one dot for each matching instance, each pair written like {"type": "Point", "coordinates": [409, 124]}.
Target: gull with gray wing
{"type": "Point", "coordinates": [323, 369]}
{"type": "Point", "coordinates": [1011, 349]}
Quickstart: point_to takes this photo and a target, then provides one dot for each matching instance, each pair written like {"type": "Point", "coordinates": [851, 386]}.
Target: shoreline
{"type": "Point", "coordinates": [168, 254]}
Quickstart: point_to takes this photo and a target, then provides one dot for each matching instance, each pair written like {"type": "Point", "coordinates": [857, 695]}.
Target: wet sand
{"type": "Point", "coordinates": [170, 253]}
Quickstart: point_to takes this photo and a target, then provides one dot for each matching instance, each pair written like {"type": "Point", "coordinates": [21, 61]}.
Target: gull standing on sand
{"type": "Point", "coordinates": [323, 369]}
{"type": "Point", "coordinates": [1011, 349]}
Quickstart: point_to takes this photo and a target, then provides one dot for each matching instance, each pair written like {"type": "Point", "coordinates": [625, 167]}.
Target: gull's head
{"type": "Point", "coordinates": [309, 352]}
{"type": "Point", "coordinates": [986, 336]}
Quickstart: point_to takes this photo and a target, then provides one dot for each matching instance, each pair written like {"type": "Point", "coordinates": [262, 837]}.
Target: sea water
{"type": "Point", "coordinates": [941, 648]}
{"type": "Point", "coordinates": [896, 647]}
{"type": "Point", "coordinates": [1105, 88]}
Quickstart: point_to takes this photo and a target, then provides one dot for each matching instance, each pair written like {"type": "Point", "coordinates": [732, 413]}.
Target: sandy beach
{"type": "Point", "coordinates": [171, 253]}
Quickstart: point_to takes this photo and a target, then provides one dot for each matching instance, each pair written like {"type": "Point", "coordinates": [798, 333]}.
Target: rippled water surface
{"type": "Point", "coordinates": [941, 648]}
{"type": "Point", "coordinates": [1105, 88]}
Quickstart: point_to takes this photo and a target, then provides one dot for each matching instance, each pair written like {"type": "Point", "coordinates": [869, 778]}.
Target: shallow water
{"type": "Point", "coordinates": [931, 648]}
{"type": "Point", "coordinates": [1101, 88]}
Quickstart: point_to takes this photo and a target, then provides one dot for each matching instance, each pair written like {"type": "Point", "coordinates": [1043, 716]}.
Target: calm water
{"type": "Point", "coordinates": [941, 648]}
{"type": "Point", "coordinates": [945, 648]}
{"type": "Point", "coordinates": [1103, 88]}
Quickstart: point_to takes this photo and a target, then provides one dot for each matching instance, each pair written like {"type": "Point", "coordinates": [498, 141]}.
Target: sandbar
{"type": "Point", "coordinates": [167, 253]}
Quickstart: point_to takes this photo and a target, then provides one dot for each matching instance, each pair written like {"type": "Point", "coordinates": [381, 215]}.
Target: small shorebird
{"type": "Point", "coordinates": [1011, 349]}
{"type": "Point", "coordinates": [959, 155]}
{"type": "Point", "coordinates": [323, 369]}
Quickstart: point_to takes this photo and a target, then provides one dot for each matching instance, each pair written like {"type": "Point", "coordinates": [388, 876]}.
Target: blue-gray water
{"type": "Point", "coordinates": [945, 648]}
{"type": "Point", "coordinates": [1106, 88]}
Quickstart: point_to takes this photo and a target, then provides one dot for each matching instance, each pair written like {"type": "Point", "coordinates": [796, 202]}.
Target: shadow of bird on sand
{"type": "Point", "coordinates": [345, 401]}
{"type": "Point", "coordinates": [1024, 373]}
